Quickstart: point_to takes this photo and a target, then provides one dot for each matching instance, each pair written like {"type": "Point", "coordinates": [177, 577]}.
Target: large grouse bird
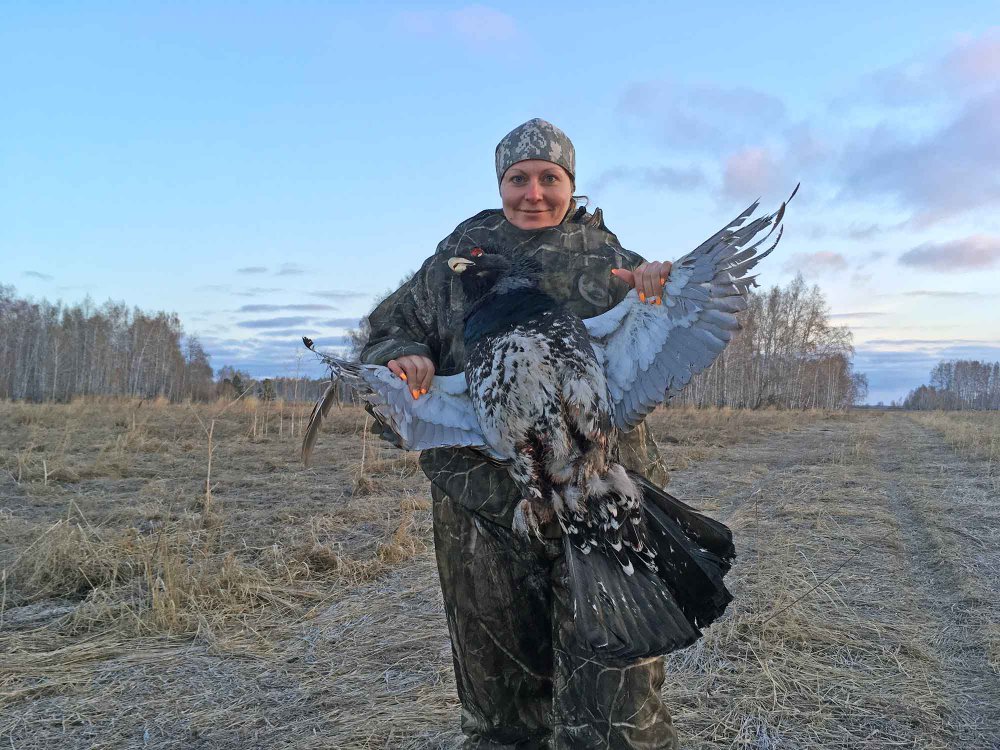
{"type": "Point", "coordinates": [545, 393]}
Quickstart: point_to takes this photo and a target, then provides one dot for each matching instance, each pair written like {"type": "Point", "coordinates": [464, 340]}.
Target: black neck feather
{"type": "Point", "coordinates": [499, 311]}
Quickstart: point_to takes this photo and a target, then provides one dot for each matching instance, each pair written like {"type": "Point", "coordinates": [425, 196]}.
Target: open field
{"type": "Point", "coordinates": [299, 608]}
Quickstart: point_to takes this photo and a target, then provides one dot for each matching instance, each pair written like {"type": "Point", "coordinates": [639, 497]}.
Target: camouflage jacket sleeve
{"type": "Point", "coordinates": [404, 322]}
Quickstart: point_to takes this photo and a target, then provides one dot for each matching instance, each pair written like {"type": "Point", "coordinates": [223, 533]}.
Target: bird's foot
{"type": "Point", "coordinates": [530, 517]}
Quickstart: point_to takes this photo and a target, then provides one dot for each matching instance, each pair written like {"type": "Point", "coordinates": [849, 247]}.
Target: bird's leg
{"type": "Point", "coordinates": [530, 517]}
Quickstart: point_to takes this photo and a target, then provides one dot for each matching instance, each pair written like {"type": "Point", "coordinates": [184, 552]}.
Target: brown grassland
{"type": "Point", "coordinates": [173, 577]}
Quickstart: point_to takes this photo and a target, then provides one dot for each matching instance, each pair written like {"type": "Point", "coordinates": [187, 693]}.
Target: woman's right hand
{"type": "Point", "coordinates": [416, 370]}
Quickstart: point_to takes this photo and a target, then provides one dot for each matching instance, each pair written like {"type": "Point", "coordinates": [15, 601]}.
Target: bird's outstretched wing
{"type": "Point", "coordinates": [443, 417]}
{"type": "Point", "coordinates": [649, 351]}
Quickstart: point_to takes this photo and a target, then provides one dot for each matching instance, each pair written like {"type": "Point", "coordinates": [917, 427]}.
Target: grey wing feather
{"type": "Point", "coordinates": [650, 352]}
{"type": "Point", "coordinates": [443, 417]}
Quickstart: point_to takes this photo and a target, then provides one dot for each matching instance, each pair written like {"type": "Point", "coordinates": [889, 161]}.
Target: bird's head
{"type": "Point", "coordinates": [480, 270]}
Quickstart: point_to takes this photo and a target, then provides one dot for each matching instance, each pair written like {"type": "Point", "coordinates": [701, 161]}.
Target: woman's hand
{"type": "Point", "coordinates": [647, 279]}
{"type": "Point", "coordinates": [416, 370]}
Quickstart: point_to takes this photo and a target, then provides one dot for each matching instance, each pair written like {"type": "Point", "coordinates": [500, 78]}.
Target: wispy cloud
{"type": "Point", "coordinates": [864, 231]}
{"type": "Point", "coordinates": [700, 115]}
{"type": "Point", "coordinates": [968, 254]}
{"type": "Point", "coordinates": [339, 322]}
{"type": "Point", "coordinates": [338, 294]}
{"type": "Point", "coordinates": [273, 346]}
{"type": "Point", "coordinates": [969, 64]}
{"type": "Point", "coordinates": [256, 291]}
{"type": "Point", "coordinates": [766, 154]}
{"type": "Point", "coordinates": [929, 173]}
{"type": "Point", "coordinates": [751, 171]}
{"type": "Point", "coordinates": [665, 178]}
{"type": "Point", "coordinates": [858, 315]}
{"type": "Point", "coordinates": [947, 173]}
{"type": "Point", "coordinates": [290, 269]}
{"type": "Point", "coordinates": [282, 322]}
{"type": "Point", "coordinates": [932, 343]}
{"type": "Point", "coordinates": [811, 264]}
{"type": "Point", "coordinates": [471, 23]}
{"type": "Point", "coordinates": [856, 231]}
{"type": "Point", "coordinates": [252, 269]}
{"type": "Point", "coordinates": [37, 275]}
{"type": "Point", "coordinates": [949, 170]}
{"type": "Point", "coordinates": [272, 356]}
{"type": "Point", "coordinates": [868, 258]}
{"type": "Point", "coordinates": [945, 295]}
{"type": "Point", "coordinates": [975, 60]}
{"type": "Point", "coordinates": [276, 308]}
{"type": "Point", "coordinates": [292, 334]}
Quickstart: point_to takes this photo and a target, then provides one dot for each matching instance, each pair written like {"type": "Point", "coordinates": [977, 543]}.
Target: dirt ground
{"type": "Point", "coordinates": [300, 608]}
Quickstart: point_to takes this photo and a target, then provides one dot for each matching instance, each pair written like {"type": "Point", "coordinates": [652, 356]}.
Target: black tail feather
{"type": "Point", "coordinates": [623, 617]}
{"type": "Point", "coordinates": [627, 617]}
{"type": "Point", "coordinates": [695, 553]}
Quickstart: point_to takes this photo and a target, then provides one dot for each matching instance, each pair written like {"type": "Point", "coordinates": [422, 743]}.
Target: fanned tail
{"type": "Point", "coordinates": [660, 609]}
{"type": "Point", "coordinates": [694, 553]}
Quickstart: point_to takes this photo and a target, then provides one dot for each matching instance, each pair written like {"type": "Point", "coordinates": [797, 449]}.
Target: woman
{"type": "Point", "coordinates": [522, 679]}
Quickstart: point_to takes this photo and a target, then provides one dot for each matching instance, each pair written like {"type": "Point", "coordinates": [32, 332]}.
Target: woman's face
{"type": "Point", "coordinates": [535, 194]}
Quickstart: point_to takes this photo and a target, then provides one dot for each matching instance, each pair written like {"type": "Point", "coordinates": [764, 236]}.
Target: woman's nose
{"type": "Point", "coordinates": [534, 191]}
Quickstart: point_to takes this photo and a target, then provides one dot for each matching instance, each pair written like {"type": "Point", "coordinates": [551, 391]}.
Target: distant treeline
{"type": "Point", "coordinates": [56, 352]}
{"type": "Point", "coordinates": [232, 383]}
{"type": "Point", "coordinates": [959, 384]}
{"type": "Point", "coordinates": [787, 354]}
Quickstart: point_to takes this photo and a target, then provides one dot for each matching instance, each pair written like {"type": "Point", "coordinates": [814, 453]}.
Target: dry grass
{"type": "Point", "coordinates": [146, 600]}
{"type": "Point", "coordinates": [810, 656]}
{"type": "Point", "coordinates": [975, 433]}
{"type": "Point", "coordinates": [118, 519]}
{"type": "Point", "coordinates": [687, 435]}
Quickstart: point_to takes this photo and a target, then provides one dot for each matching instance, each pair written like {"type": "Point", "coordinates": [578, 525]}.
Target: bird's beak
{"type": "Point", "coordinates": [458, 265]}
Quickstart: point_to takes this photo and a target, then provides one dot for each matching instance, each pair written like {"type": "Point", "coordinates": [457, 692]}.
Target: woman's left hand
{"type": "Point", "coordinates": [647, 279]}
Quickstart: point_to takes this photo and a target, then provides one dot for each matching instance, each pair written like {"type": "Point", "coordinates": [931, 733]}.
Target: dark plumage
{"type": "Point", "coordinates": [542, 400]}
{"type": "Point", "coordinates": [640, 582]}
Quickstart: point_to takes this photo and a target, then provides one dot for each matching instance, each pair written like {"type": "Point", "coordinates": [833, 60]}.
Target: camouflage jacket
{"type": "Point", "coordinates": [424, 316]}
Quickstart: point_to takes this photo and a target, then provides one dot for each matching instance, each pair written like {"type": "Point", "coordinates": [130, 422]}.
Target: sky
{"type": "Point", "coordinates": [267, 169]}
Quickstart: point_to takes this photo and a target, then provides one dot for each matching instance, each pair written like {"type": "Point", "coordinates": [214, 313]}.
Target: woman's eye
{"type": "Point", "coordinates": [517, 179]}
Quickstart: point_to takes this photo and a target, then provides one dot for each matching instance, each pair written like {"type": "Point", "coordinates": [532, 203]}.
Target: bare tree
{"type": "Point", "coordinates": [55, 352]}
{"type": "Point", "coordinates": [959, 384]}
{"type": "Point", "coordinates": [786, 354]}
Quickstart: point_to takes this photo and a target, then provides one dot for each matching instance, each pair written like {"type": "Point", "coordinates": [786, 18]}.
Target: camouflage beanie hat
{"type": "Point", "coordinates": [536, 139]}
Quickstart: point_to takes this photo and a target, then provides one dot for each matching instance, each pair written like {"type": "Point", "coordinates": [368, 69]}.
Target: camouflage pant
{"type": "Point", "coordinates": [522, 680]}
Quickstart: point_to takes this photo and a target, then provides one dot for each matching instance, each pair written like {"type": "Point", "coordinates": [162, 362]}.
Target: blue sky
{"type": "Point", "coordinates": [265, 169]}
